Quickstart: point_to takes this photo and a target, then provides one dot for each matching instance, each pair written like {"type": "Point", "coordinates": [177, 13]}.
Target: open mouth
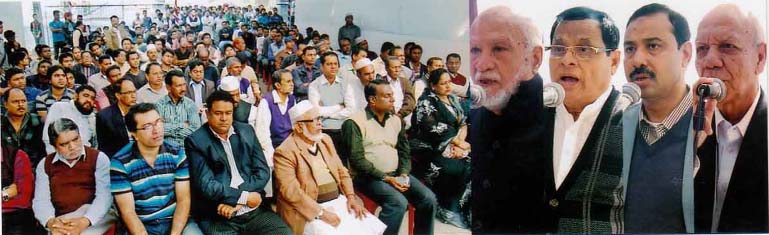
{"type": "Point", "coordinates": [485, 82]}
{"type": "Point", "coordinates": [568, 81]}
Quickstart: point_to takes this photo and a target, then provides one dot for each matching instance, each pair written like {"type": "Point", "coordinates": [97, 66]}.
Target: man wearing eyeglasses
{"type": "Point", "coordinates": [110, 126]}
{"type": "Point", "coordinates": [150, 178]}
{"type": "Point", "coordinates": [657, 133]}
{"type": "Point", "coordinates": [583, 154]}
{"type": "Point", "coordinates": [730, 185]}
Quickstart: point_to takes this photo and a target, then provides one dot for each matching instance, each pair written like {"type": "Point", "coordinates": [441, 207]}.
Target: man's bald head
{"type": "Point", "coordinates": [730, 15]}
{"type": "Point", "coordinates": [731, 46]}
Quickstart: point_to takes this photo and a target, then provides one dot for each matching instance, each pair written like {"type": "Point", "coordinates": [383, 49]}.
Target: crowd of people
{"type": "Point", "coordinates": [267, 129]}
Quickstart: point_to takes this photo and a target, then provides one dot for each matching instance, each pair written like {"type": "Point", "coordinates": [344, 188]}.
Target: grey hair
{"type": "Point", "coordinates": [389, 59]}
{"type": "Point", "coordinates": [276, 75]}
{"type": "Point", "coordinates": [232, 60]}
{"type": "Point", "coordinates": [60, 126]}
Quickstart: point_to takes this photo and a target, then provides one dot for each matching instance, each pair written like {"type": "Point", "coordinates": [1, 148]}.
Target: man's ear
{"type": "Point", "coordinates": [536, 59]}
{"type": "Point", "coordinates": [614, 58]}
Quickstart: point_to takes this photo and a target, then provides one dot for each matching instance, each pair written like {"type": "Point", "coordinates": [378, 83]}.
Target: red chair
{"type": "Point", "coordinates": [371, 206]}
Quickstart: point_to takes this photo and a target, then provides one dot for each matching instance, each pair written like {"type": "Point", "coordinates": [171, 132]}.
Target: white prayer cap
{"type": "Point", "coordinates": [230, 83]}
{"type": "Point", "coordinates": [362, 63]}
{"type": "Point", "coordinates": [303, 111]}
{"type": "Point", "coordinates": [360, 39]}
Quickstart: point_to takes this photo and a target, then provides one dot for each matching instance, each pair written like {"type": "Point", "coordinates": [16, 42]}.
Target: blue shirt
{"type": "Point", "coordinates": [57, 36]}
{"type": "Point", "coordinates": [152, 188]}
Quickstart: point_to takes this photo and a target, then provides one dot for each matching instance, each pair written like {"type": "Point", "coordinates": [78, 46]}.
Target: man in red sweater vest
{"type": "Point", "coordinates": [72, 187]}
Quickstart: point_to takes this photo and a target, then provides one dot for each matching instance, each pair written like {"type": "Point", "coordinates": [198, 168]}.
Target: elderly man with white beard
{"type": "Point", "coordinates": [507, 132]}
{"type": "Point", "coordinates": [315, 189]}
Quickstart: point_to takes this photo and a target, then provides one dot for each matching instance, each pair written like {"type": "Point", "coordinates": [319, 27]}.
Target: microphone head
{"type": "Point", "coordinates": [632, 91]}
{"type": "Point", "coordinates": [715, 90]}
{"type": "Point", "coordinates": [719, 93]}
{"type": "Point", "coordinates": [553, 94]}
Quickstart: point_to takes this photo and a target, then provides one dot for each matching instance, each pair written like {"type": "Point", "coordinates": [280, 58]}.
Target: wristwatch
{"type": "Point", "coordinates": [5, 195]}
{"type": "Point", "coordinates": [317, 217]}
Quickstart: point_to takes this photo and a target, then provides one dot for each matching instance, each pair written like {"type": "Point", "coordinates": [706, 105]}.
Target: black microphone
{"type": "Point", "coordinates": [714, 91]}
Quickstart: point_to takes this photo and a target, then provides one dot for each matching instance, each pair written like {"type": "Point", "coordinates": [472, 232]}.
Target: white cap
{"type": "Point", "coordinates": [302, 111]}
{"type": "Point", "coordinates": [230, 83]}
{"type": "Point", "coordinates": [359, 39]}
{"type": "Point", "coordinates": [362, 63]}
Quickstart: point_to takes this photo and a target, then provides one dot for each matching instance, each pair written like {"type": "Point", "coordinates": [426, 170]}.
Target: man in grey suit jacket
{"type": "Point", "coordinates": [657, 181]}
{"type": "Point", "coordinates": [198, 88]}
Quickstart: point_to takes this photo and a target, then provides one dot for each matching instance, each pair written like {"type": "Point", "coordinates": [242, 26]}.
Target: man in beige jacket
{"type": "Point", "coordinates": [315, 192]}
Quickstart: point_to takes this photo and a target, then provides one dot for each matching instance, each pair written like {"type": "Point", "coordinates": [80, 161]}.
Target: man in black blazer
{"type": "Point", "coordinates": [111, 130]}
{"type": "Point", "coordinates": [730, 184]}
{"type": "Point", "coordinates": [229, 173]}
{"type": "Point", "coordinates": [507, 132]}
{"type": "Point", "coordinates": [198, 89]}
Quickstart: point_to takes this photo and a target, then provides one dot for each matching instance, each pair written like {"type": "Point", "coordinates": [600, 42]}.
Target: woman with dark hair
{"type": "Point", "coordinates": [439, 149]}
{"type": "Point", "coordinates": [229, 51]}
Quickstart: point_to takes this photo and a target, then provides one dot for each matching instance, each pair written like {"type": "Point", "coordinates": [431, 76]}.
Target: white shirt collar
{"type": "Point", "coordinates": [324, 81]}
{"type": "Point", "coordinates": [202, 82]}
{"type": "Point", "coordinates": [742, 125]}
{"type": "Point", "coordinates": [592, 109]}
{"type": "Point", "coordinates": [276, 98]}
{"type": "Point", "coordinates": [57, 157]}
{"type": "Point", "coordinates": [229, 134]}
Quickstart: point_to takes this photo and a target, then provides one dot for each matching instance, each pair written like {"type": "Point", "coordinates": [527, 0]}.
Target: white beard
{"type": "Point", "coordinates": [314, 138]}
{"type": "Point", "coordinates": [499, 101]}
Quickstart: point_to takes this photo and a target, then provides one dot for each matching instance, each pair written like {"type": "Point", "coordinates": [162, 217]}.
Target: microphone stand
{"type": "Point", "coordinates": [699, 125]}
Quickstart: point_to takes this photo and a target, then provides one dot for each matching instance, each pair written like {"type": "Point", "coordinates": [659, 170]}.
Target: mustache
{"type": "Point", "coordinates": [487, 75]}
{"type": "Point", "coordinates": [642, 70]}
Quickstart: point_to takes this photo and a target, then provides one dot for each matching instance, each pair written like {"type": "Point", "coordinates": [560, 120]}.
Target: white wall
{"type": "Point", "coordinates": [439, 26]}
{"type": "Point", "coordinates": [16, 16]}
{"type": "Point", "coordinates": [620, 11]}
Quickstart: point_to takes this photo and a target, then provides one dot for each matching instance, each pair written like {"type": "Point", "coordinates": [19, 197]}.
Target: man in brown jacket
{"type": "Point", "coordinates": [116, 33]}
{"type": "Point", "coordinates": [313, 185]}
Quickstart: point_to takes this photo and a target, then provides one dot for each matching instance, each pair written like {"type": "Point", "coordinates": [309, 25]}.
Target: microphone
{"type": "Point", "coordinates": [631, 94]}
{"type": "Point", "coordinates": [553, 94]}
{"type": "Point", "coordinates": [715, 91]}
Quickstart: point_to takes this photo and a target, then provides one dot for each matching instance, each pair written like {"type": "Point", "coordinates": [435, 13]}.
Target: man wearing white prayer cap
{"type": "Point", "coordinates": [316, 191]}
{"type": "Point", "coordinates": [364, 73]}
{"type": "Point", "coordinates": [244, 111]}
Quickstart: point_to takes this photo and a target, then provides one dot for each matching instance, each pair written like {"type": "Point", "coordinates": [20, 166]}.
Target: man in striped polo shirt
{"type": "Point", "coordinates": [57, 92]}
{"type": "Point", "coordinates": [150, 178]}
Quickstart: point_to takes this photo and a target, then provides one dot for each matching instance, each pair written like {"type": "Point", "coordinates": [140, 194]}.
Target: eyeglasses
{"type": "Point", "coordinates": [128, 92]}
{"type": "Point", "coordinates": [317, 119]}
{"type": "Point", "coordinates": [150, 126]}
{"type": "Point", "coordinates": [582, 52]}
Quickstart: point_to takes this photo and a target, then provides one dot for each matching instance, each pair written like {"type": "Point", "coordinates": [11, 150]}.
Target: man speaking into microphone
{"type": "Point", "coordinates": [730, 184]}
{"type": "Point", "coordinates": [582, 144]}
{"type": "Point", "coordinates": [657, 136]}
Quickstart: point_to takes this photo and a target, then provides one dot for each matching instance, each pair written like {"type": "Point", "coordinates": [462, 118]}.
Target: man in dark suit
{"type": "Point", "coordinates": [506, 133]}
{"type": "Point", "coordinates": [730, 185]}
{"type": "Point", "coordinates": [198, 89]}
{"type": "Point", "coordinates": [111, 130]}
{"type": "Point", "coordinates": [229, 173]}
{"type": "Point", "coordinates": [583, 136]}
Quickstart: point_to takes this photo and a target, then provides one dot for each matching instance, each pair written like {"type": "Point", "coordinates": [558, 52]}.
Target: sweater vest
{"type": "Point", "coordinates": [379, 141]}
{"type": "Point", "coordinates": [73, 187]}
